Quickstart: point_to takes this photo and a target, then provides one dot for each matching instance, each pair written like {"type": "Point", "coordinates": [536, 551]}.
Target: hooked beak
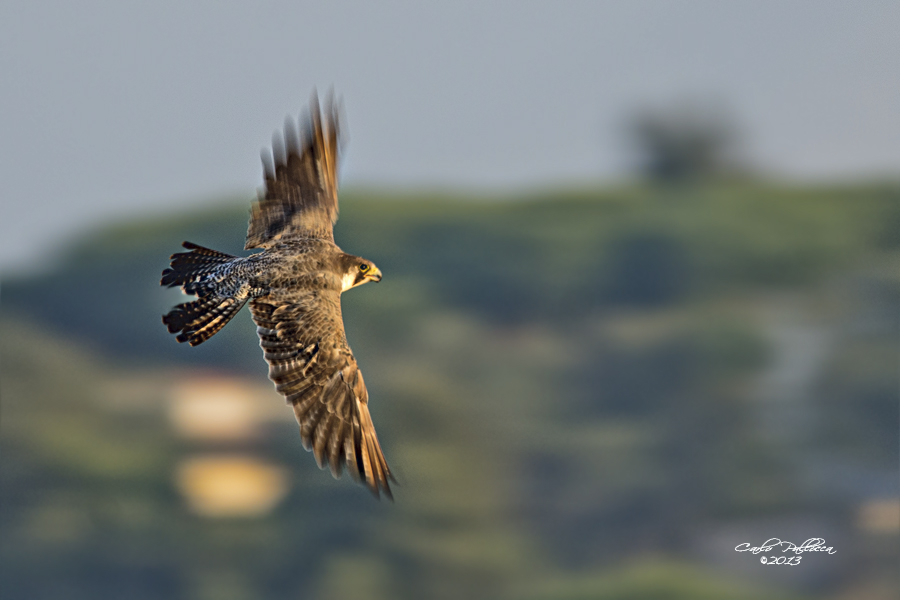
{"type": "Point", "coordinates": [374, 274]}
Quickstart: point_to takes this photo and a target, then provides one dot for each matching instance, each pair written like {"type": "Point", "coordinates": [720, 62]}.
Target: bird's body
{"type": "Point", "coordinates": [294, 288]}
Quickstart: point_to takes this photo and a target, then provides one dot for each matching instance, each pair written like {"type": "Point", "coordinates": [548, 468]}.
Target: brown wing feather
{"type": "Point", "coordinates": [312, 366]}
{"type": "Point", "coordinates": [300, 198]}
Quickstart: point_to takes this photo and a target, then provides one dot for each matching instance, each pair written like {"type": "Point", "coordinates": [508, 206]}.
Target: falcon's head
{"type": "Point", "coordinates": [357, 271]}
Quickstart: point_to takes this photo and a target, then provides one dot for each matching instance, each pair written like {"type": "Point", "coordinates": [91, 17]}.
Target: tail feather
{"type": "Point", "coordinates": [197, 321]}
{"type": "Point", "coordinates": [187, 267]}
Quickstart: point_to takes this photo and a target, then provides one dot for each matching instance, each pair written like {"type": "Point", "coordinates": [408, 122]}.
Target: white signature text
{"type": "Point", "coordinates": [775, 545]}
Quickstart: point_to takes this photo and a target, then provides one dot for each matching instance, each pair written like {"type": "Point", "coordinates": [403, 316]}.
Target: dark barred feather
{"type": "Point", "coordinates": [187, 267]}
{"type": "Point", "coordinates": [319, 377]}
{"type": "Point", "coordinates": [300, 199]}
{"type": "Point", "coordinates": [197, 321]}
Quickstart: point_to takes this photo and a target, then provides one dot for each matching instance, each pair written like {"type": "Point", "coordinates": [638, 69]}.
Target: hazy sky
{"type": "Point", "coordinates": [118, 108]}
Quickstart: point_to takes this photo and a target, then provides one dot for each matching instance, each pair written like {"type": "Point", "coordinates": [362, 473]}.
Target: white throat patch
{"type": "Point", "coordinates": [347, 281]}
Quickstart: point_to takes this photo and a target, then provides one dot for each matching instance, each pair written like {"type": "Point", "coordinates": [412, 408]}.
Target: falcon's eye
{"type": "Point", "coordinates": [363, 268]}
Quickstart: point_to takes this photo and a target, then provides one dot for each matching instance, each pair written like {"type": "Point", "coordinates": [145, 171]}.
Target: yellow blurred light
{"type": "Point", "coordinates": [222, 408]}
{"type": "Point", "coordinates": [231, 485]}
{"type": "Point", "coordinates": [880, 516]}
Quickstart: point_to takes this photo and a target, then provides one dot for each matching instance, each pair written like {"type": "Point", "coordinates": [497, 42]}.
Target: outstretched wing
{"type": "Point", "coordinates": [300, 199]}
{"type": "Point", "coordinates": [313, 367]}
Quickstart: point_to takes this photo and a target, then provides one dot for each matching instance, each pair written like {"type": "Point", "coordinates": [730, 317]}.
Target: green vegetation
{"type": "Point", "coordinates": [571, 386]}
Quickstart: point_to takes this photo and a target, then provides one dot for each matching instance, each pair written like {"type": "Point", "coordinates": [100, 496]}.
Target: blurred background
{"type": "Point", "coordinates": [640, 305]}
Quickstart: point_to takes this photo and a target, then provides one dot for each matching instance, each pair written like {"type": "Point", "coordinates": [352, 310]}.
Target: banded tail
{"type": "Point", "coordinates": [217, 302]}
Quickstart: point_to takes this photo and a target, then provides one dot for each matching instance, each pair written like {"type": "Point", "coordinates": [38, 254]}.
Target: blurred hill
{"type": "Point", "coordinates": [549, 258]}
{"type": "Point", "coordinates": [585, 394]}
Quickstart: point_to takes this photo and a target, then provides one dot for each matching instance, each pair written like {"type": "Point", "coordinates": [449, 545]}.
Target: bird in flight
{"type": "Point", "coordinates": [294, 288]}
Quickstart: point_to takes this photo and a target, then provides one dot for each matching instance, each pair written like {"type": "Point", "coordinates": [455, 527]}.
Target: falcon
{"type": "Point", "coordinates": [294, 288]}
